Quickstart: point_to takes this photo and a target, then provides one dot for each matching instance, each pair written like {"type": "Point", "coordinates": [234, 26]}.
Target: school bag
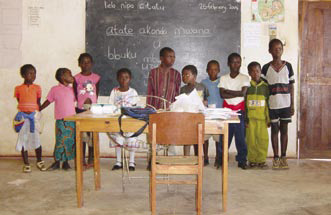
{"type": "Point", "coordinates": [136, 113]}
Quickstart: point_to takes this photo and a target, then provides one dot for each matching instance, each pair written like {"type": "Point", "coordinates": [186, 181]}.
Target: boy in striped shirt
{"type": "Point", "coordinates": [280, 77]}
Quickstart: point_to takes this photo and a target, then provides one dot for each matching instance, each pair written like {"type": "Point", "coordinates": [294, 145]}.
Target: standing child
{"type": "Point", "coordinates": [86, 88]}
{"type": "Point", "coordinates": [28, 96]}
{"type": "Point", "coordinates": [233, 87]}
{"type": "Point", "coordinates": [257, 118]}
{"type": "Point", "coordinates": [280, 77]}
{"type": "Point", "coordinates": [64, 98]}
{"type": "Point", "coordinates": [123, 96]}
{"type": "Point", "coordinates": [189, 75]}
{"type": "Point", "coordinates": [214, 101]}
{"type": "Point", "coordinates": [163, 81]}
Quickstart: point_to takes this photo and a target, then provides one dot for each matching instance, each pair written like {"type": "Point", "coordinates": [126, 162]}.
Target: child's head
{"type": "Point", "coordinates": [234, 62]}
{"type": "Point", "coordinates": [63, 75]}
{"type": "Point", "coordinates": [276, 48]}
{"type": "Point", "coordinates": [85, 62]}
{"type": "Point", "coordinates": [124, 77]}
{"type": "Point", "coordinates": [189, 74]}
{"type": "Point", "coordinates": [167, 56]}
{"type": "Point", "coordinates": [213, 68]}
{"type": "Point", "coordinates": [28, 72]}
{"type": "Point", "coordinates": [254, 70]}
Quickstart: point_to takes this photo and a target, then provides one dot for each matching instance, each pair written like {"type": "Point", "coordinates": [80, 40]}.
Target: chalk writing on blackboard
{"type": "Point", "coordinates": [131, 33]}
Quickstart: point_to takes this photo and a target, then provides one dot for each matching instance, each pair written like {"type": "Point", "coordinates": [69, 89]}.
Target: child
{"type": "Point", "coordinates": [233, 87]}
{"type": "Point", "coordinates": [164, 81]}
{"type": "Point", "coordinates": [28, 96]}
{"type": "Point", "coordinates": [86, 88]}
{"type": "Point", "coordinates": [123, 96]}
{"type": "Point", "coordinates": [64, 98]}
{"type": "Point", "coordinates": [214, 101]}
{"type": "Point", "coordinates": [257, 118]}
{"type": "Point", "coordinates": [280, 77]}
{"type": "Point", "coordinates": [189, 75]}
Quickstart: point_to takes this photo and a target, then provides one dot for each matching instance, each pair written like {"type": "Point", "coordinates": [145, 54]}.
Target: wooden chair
{"type": "Point", "coordinates": [172, 128]}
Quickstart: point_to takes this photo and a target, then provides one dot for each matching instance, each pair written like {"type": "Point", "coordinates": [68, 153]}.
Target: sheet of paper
{"type": "Point", "coordinates": [252, 35]}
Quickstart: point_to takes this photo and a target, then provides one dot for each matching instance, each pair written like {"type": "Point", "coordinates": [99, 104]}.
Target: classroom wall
{"type": "Point", "coordinates": [288, 32]}
{"type": "Point", "coordinates": [57, 38]}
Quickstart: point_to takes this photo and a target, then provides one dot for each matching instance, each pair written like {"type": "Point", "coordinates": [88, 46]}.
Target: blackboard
{"type": "Point", "coordinates": [131, 33]}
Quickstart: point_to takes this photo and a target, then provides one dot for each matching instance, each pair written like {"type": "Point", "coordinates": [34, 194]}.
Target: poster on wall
{"type": "Point", "coordinates": [270, 11]}
{"type": "Point", "coordinates": [10, 34]}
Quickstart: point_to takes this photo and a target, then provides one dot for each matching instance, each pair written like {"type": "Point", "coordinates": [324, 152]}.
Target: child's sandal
{"type": "Point", "coordinates": [26, 168]}
{"type": "Point", "coordinates": [41, 166]}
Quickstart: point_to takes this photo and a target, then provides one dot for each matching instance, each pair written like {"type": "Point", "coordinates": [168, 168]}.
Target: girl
{"type": "Point", "coordinates": [64, 98]}
{"type": "Point", "coordinates": [123, 96]}
{"type": "Point", "coordinates": [28, 96]}
{"type": "Point", "coordinates": [86, 88]}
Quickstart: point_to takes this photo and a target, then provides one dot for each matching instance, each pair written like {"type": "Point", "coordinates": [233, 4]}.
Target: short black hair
{"type": "Point", "coordinates": [192, 68]}
{"type": "Point", "coordinates": [84, 55]}
{"type": "Point", "coordinates": [213, 62]}
{"type": "Point", "coordinates": [165, 50]}
{"type": "Point", "coordinates": [123, 70]}
{"type": "Point", "coordinates": [233, 55]}
{"type": "Point", "coordinates": [275, 41]}
{"type": "Point", "coordinates": [253, 64]}
{"type": "Point", "coordinates": [59, 73]}
{"type": "Point", "coordinates": [25, 68]}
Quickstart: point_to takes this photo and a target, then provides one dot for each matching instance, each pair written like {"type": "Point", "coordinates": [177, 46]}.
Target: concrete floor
{"type": "Point", "coordinates": [305, 189]}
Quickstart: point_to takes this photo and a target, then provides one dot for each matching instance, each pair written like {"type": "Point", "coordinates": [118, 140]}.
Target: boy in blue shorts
{"type": "Point", "coordinates": [214, 101]}
{"type": "Point", "coordinates": [280, 77]}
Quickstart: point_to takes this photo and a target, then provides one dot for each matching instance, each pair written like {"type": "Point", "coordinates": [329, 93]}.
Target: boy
{"type": "Point", "coordinates": [214, 101]}
{"type": "Point", "coordinates": [163, 81]}
{"type": "Point", "coordinates": [257, 118]}
{"type": "Point", "coordinates": [280, 77]}
{"type": "Point", "coordinates": [233, 87]}
{"type": "Point", "coordinates": [189, 75]}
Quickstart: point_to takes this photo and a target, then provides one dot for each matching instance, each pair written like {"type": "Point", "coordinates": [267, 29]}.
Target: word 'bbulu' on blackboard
{"type": "Point", "coordinates": [131, 33]}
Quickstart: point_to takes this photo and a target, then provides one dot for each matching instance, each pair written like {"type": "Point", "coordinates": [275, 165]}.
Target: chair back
{"type": "Point", "coordinates": [178, 128]}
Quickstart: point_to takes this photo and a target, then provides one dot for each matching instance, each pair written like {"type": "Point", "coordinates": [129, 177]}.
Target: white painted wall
{"type": "Point", "coordinates": [60, 38]}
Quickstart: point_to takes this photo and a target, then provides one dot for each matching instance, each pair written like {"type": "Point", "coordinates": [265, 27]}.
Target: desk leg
{"type": "Point", "coordinates": [96, 160]}
{"type": "Point", "coordinates": [225, 166]}
{"type": "Point", "coordinates": [79, 167]}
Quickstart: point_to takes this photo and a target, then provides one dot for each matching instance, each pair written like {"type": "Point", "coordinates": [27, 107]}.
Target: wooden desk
{"type": "Point", "coordinates": [96, 123]}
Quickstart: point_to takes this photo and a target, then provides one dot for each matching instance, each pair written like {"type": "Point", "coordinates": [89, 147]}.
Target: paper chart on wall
{"type": "Point", "coordinates": [10, 34]}
{"type": "Point", "coordinates": [252, 35]}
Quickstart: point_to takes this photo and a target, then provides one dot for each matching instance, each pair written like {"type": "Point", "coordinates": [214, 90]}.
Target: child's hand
{"type": "Point", "coordinates": [292, 110]}
{"type": "Point", "coordinates": [88, 101]}
{"type": "Point", "coordinates": [268, 123]}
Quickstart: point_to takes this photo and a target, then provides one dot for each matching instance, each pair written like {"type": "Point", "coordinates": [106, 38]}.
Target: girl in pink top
{"type": "Point", "coordinates": [64, 98]}
{"type": "Point", "coordinates": [86, 88]}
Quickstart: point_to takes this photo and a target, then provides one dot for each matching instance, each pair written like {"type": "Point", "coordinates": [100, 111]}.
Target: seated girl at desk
{"type": "Point", "coordinates": [123, 96]}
